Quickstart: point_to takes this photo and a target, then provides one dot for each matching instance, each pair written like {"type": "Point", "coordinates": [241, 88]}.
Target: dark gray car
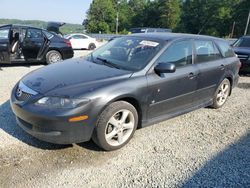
{"type": "Point", "coordinates": [131, 82]}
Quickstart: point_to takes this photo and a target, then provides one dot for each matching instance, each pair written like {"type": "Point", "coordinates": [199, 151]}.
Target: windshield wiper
{"type": "Point", "coordinates": [108, 63]}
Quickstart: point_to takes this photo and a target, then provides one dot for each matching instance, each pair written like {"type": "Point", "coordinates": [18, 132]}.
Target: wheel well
{"type": "Point", "coordinates": [231, 83]}
{"type": "Point", "coordinates": [137, 106]}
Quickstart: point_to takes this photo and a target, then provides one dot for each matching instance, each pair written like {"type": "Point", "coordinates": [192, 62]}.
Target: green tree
{"type": "Point", "coordinates": [169, 13]}
{"type": "Point", "coordinates": [101, 17]}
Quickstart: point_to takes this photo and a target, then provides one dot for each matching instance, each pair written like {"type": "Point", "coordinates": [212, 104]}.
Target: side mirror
{"type": "Point", "coordinates": [165, 68]}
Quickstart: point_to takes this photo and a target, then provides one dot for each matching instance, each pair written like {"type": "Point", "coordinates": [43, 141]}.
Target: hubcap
{"type": "Point", "coordinates": [223, 93]}
{"type": "Point", "coordinates": [119, 127]}
{"type": "Point", "coordinates": [54, 58]}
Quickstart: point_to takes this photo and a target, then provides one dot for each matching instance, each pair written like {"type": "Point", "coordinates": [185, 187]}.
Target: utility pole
{"type": "Point", "coordinates": [117, 17]}
{"type": "Point", "coordinates": [247, 23]}
{"type": "Point", "coordinates": [232, 33]}
{"type": "Point", "coordinates": [117, 22]}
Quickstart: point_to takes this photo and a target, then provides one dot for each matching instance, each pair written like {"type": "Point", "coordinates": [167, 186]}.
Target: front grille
{"type": "Point", "coordinates": [23, 96]}
{"type": "Point", "coordinates": [242, 56]}
{"type": "Point", "coordinates": [24, 93]}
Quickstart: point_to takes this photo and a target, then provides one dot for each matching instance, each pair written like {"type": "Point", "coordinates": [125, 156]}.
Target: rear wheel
{"type": "Point", "coordinates": [221, 94]}
{"type": "Point", "coordinates": [53, 56]}
{"type": "Point", "coordinates": [92, 46]}
{"type": "Point", "coordinates": [116, 126]}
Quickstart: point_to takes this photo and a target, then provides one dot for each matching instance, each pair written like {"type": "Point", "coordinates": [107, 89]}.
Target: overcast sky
{"type": "Point", "coordinates": [47, 10]}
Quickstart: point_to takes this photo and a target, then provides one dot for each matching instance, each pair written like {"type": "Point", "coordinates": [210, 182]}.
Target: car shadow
{"type": "Point", "coordinates": [8, 124]}
{"type": "Point", "coordinates": [25, 64]}
{"type": "Point", "coordinates": [244, 85]}
{"type": "Point", "coordinates": [230, 168]}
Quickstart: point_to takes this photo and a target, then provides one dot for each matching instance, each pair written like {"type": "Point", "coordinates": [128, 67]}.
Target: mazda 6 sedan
{"type": "Point", "coordinates": [129, 83]}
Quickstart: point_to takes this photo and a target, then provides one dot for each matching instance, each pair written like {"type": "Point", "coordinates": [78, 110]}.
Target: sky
{"type": "Point", "coordinates": [69, 11]}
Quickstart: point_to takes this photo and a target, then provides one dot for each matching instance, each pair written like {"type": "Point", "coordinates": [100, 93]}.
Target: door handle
{"type": "Point", "coordinates": [191, 75]}
{"type": "Point", "coordinates": [222, 67]}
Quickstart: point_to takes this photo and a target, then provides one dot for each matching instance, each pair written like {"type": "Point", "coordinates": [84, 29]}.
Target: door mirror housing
{"type": "Point", "coordinates": [165, 68]}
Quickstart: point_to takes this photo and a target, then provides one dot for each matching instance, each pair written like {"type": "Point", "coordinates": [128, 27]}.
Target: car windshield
{"type": "Point", "coordinates": [242, 42]}
{"type": "Point", "coordinates": [129, 53]}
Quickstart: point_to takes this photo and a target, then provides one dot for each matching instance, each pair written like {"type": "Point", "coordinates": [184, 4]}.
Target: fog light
{"type": "Point", "coordinates": [78, 118]}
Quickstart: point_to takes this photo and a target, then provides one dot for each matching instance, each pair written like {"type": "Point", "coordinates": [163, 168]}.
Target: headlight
{"type": "Point", "coordinates": [57, 102]}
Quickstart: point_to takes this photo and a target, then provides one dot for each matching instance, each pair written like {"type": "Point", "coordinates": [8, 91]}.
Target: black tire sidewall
{"type": "Point", "coordinates": [99, 132]}
{"type": "Point", "coordinates": [92, 46]}
{"type": "Point", "coordinates": [49, 53]}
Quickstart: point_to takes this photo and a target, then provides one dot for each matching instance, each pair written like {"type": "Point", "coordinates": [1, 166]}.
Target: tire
{"type": "Point", "coordinates": [92, 46]}
{"type": "Point", "coordinates": [115, 126]}
{"type": "Point", "coordinates": [53, 56]}
{"type": "Point", "coordinates": [221, 94]}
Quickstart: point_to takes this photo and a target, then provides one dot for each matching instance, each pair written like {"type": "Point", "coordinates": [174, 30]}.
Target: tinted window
{"type": "Point", "coordinates": [242, 42]}
{"type": "Point", "coordinates": [179, 53]}
{"type": "Point", "coordinates": [4, 33]}
{"type": "Point", "coordinates": [78, 37]}
{"type": "Point", "coordinates": [206, 51]}
{"type": "Point", "coordinates": [48, 34]}
{"type": "Point", "coordinates": [225, 49]}
{"type": "Point", "coordinates": [34, 33]}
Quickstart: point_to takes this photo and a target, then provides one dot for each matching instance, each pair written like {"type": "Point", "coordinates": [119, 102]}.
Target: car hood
{"type": "Point", "coordinates": [65, 76]}
{"type": "Point", "coordinates": [244, 50]}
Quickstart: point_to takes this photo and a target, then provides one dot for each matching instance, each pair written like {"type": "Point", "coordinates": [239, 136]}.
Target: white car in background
{"type": "Point", "coordinates": [82, 41]}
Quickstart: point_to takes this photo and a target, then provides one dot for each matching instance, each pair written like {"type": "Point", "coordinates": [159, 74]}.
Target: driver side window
{"type": "Point", "coordinates": [179, 53]}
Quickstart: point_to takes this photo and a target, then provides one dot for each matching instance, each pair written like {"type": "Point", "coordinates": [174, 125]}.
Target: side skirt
{"type": "Point", "coordinates": [159, 119]}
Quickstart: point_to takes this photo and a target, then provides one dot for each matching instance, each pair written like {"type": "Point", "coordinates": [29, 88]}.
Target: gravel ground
{"type": "Point", "coordinates": [208, 148]}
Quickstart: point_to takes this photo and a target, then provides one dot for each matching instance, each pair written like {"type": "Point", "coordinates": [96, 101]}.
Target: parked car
{"type": "Point", "coordinates": [242, 49]}
{"type": "Point", "coordinates": [20, 43]}
{"type": "Point", "coordinates": [82, 41]}
{"type": "Point", "coordinates": [132, 81]}
{"type": "Point", "coordinates": [149, 30]}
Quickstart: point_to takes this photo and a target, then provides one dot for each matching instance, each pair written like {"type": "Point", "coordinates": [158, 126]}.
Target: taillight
{"type": "Point", "coordinates": [68, 43]}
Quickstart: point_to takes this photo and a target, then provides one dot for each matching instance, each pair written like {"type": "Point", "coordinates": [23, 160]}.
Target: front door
{"type": "Point", "coordinates": [173, 92]}
{"type": "Point", "coordinates": [33, 44]}
{"type": "Point", "coordinates": [4, 44]}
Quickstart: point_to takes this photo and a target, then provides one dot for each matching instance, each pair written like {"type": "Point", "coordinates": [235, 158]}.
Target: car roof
{"type": "Point", "coordinates": [173, 36]}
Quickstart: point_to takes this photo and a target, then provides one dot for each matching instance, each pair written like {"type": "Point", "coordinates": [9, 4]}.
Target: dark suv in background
{"type": "Point", "coordinates": [20, 43]}
{"type": "Point", "coordinates": [242, 49]}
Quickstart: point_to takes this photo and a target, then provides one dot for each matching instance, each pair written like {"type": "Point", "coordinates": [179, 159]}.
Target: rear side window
{"type": "Point", "coordinates": [179, 53]}
{"type": "Point", "coordinates": [225, 49]}
{"type": "Point", "coordinates": [78, 37]}
{"type": "Point", "coordinates": [34, 34]}
{"type": "Point", "coordinates": [4, 33]}
{"type": "Point", "coordinates": [206, 51]}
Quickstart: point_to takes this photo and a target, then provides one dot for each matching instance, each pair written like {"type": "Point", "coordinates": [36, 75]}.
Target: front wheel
{"type": "Point", "coordinates": [53, 56]}
{"type": "Point", "coordinates": [221, 94]}
{"type": "Point", "coordinates": [116, 126]}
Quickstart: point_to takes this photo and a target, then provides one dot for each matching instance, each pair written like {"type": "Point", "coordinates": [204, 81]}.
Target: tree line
{"type": "Point", "coordinates": [222, 18]}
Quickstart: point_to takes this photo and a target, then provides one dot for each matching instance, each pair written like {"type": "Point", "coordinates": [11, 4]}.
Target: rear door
{"type": "Point", "coordinates": [173, 92]}
{"type": "Point", "coordinates": [4, 44]}
{"type": "Point", "coordinates": [211, 67]}
{"type": "Point", "coordinates": [33, 44]}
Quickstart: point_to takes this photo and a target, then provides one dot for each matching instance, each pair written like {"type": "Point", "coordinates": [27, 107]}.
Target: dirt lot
{"type": "Point", "coordinates": [203, 148]}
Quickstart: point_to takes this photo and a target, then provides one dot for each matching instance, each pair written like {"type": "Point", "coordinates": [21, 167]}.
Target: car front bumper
{"type": "Point", "coordinates": [51, 128]}
{"type": "Point", "coordinates": [245, 66]}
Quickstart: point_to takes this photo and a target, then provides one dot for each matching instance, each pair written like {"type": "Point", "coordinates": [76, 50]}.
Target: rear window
{"type": "Point", "coordinates": [48, 34]}
{"type": "Point", "coordinates": [206, 51]}
{"type": "Point", "coordinates": [242, 42]}
{"type": "Point", "coordinates": [225, 49]}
